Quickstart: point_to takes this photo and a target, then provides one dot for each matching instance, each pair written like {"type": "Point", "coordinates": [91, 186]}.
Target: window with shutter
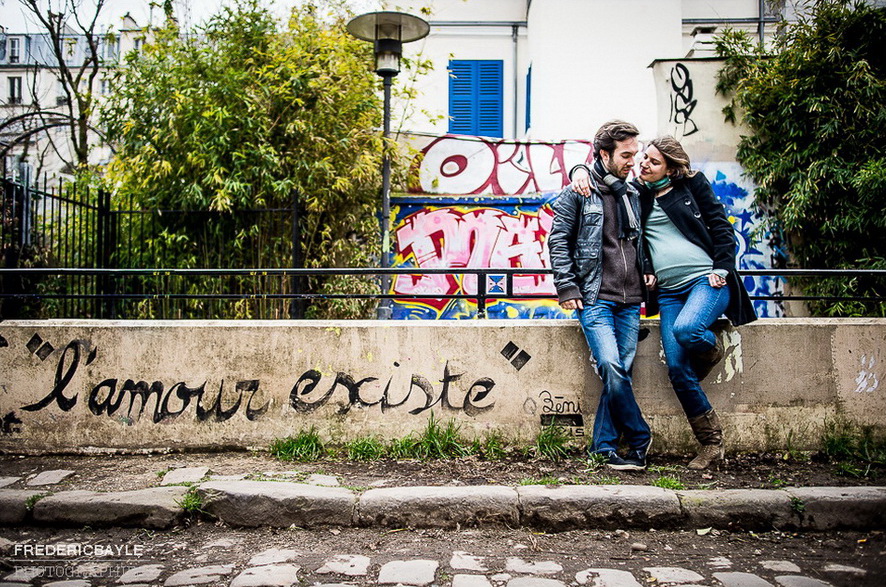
{"type": "Point", "coordinates": [475, 97]}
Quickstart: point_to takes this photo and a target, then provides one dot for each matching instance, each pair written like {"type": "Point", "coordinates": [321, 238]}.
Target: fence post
{"type": "Point", "coordinates": [105, 245]}
{"type": "Point", "coordinates": [481, 294]}
{"type": "Point", "coordinates": [13, 219]}
{"type": "Point", "coordinates": [296, 305]}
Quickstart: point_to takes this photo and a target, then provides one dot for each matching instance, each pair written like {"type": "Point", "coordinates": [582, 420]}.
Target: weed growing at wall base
{"type": "Point", "coordinates": [305, 446]}
{"type": "Point", "coordinates": [441, 442]}
{"type": "Point", "coordinates": [368, 448]}
{"type": "Point", "coordinates": [552, 442]}
{"type": "Point", "coordinates": [857, 451]}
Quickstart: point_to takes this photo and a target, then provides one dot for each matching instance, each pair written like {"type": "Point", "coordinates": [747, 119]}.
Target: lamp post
{"type": "Point", "coordinates": [388, 31]}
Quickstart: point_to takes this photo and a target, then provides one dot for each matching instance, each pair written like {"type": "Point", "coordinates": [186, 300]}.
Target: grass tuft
{"type": "Point", "coordinates": [191, 502]}
{"type": "Point", "coordinates": [368, 448]}
{"type": "Point", "coordinates": [552, 443]}
{"type": "Point", "coordinates": [441, 442]}
{"type": "Point", "coordinates": [855, 450]}
{"type": "Point", "coordinates": [305, 446]}
{"type": "Point", "coordinates": [491, 447]}
{"type": "Point", "coordinates": [668, 482]}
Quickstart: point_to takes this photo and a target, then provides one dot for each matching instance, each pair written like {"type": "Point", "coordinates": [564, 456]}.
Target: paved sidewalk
{"type": "Point", "coordinates": [46, 499]}
{"type": "Point", "coordinates": [209, 555]}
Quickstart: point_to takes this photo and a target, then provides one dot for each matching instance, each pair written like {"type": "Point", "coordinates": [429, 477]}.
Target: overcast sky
{"type": "Point", "coordinates": [15, 18]}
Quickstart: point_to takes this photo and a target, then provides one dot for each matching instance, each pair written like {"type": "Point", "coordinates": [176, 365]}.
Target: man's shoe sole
{"type": "Point", "coordinates": [626, 467]}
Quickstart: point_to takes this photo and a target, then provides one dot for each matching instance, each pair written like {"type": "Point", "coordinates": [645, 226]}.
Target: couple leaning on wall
{"type": "Point", "coordinates": [664, 240]}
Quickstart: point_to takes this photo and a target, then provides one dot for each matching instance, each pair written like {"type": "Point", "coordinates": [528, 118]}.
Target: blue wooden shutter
{"type": "Point", "coordinates": [461, 97]}
{"type": "Point", "coordinates": [475, 97]}
{"type": "Point", "coordinates": [528, 98]}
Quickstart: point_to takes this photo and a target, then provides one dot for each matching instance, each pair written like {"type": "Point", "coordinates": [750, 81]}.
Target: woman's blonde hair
{"type": "Point", "coordinates": [675, 157]}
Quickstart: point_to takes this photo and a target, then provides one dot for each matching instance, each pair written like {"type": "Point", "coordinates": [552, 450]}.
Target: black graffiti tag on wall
{"type": "Point", "coordinates": [130, 399]}
{"type": "Point", "coordinates": [309, 381]}
{"type": "Point", "coordinates": [107, 397]}
{"type": "Point", "coordinates": [682, 102]}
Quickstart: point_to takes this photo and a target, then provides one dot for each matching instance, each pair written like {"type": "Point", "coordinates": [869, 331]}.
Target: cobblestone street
{"type": "Point", "coordinates": [206, 554]}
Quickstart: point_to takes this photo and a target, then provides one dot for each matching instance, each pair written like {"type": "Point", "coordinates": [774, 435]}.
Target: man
{"type": "Point", "coordinates": [595, 251]}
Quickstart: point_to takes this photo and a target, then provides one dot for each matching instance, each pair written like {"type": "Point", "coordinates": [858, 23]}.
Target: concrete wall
{"type": "Point", "coordinates": [79, 385]}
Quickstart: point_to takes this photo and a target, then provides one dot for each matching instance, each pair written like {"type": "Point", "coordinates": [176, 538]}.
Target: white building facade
{"type": "Point", "coordinates": [557, 69]}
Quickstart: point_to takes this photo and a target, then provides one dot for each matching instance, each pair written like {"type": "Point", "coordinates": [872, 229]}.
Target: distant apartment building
{"type": "Point", "coordinates": [35, 107]}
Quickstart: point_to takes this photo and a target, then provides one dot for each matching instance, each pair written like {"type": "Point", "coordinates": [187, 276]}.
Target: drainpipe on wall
{"type": "Point", "coordinates": [516, 101]}
{"type": "Point", "coordinates": [761, 26]}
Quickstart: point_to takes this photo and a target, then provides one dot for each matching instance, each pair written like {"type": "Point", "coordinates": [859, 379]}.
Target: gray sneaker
{"type": "Point", "coordinates": [638, 455]}
{"type": "Point", "coordinates": [613, 461]}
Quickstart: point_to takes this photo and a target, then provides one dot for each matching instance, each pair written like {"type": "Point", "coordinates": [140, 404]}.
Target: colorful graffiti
{"type": "Point", "coordinates": [505, 223]}
{"type": "Point", "coordinates": [755, 251]}
{"type": "Point", "coordinates": [474, 165]}
{"type": "Point", "coordinates": [472, 233]}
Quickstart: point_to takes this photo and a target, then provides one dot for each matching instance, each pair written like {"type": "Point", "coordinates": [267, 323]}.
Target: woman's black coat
{"type": "Point", "coordinates": [695, 211]}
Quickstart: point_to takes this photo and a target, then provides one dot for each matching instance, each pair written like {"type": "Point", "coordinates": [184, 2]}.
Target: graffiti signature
{"type": "Point", "coordinates": [682, 102]}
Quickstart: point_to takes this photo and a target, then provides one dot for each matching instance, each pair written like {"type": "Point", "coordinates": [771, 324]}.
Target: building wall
{"type": "Point", "coordinates": [88, 385]}
{"type": "Point", "coordinates": [579, 51]}
{"type": "Point", "coordinates": [589, 62]}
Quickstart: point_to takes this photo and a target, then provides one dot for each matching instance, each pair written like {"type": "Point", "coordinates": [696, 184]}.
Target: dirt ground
{"type": "Point", "coordinates": [118, 472]}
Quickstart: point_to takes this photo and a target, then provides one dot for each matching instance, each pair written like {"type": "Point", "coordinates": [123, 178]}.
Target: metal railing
{"type": "Point", "coordinates": [483, 296]}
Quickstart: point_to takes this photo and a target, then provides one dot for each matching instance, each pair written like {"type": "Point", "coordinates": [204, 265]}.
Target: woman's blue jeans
{"type": "Point", "coordinates": [686, 317]}
{"type": "Point", "coordinates": [611, 330]}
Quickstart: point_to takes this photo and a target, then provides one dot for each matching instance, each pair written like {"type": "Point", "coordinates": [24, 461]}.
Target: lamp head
{"type": "Point", "coordinates": [388, 31]}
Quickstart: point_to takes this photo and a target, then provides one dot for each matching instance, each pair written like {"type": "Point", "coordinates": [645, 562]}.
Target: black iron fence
{"type": "Point", "coordinates": [168, 289]}
{"type": "Point", "coordinates": [75, 252]}
{"type": "Point", "coordinates": [89, 234]}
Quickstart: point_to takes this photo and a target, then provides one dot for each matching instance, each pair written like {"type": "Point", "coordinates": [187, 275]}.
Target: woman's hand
{"type": "Point", "coordinates": [574, 304]}
{"type": "Point", "coordinates": [581, 181]}
{"type": "Point", "coordinates": [716, 281]}
{"type": "Point", "coordinates": [651, 281]}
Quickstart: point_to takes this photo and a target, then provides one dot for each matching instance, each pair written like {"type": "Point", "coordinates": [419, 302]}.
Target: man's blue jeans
{"type": "Point", "coordinates": [611, 330]}
{"type": "Point", "coordinates": [686, 316]}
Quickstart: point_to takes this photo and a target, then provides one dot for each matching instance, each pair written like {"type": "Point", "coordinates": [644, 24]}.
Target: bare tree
{"type": "Point", "coordinates": [67, 24]}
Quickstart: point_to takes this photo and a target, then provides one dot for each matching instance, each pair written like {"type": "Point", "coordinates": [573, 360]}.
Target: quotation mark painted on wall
{"type": "Point", "coordinates": [517, 357]}
{"type": "Point", "coordinates": [39, 347]}
{"type": "Point", "coordinates": [867, 380]}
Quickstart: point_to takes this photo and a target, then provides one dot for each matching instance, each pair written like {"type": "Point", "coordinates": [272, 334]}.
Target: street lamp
{"type": "Point", "coordinates": [388, 31]}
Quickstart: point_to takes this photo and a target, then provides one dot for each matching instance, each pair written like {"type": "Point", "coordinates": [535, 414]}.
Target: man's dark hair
{"type": "Point", "coordinates": [612, 132]}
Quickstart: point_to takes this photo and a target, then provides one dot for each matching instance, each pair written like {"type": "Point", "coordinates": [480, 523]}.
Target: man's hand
{"type": "Point", "coordinates": [651, 280]}
{"type": "Point", "coordinates": [574, 304]}
{"type": "Point", "coordinates": [581, 181]}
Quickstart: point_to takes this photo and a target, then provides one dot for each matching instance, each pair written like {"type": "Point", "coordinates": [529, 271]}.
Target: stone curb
{"type": "Point", "coordinates": [570, 507]}
{"type": "Point", "coordinates": [277, 503]}
{"type": "Point", "coordinates": [746, 509]}
{"type": "Point", "coordinates": [839, 508]}
{"type": "Point", "coordinates": [438, 507]}
{"type": "Point", "coordinates": [14, 505]}
{"type": "Point", "coordinates": [156, 507]}
{"type": "Point", "coordinates": [552, 508]}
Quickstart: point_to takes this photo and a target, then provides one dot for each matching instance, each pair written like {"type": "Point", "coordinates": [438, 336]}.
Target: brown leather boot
{"type": "Point", "coordinates": [703, 363]}
{"type": "Point", "coordinates": [709, 434]}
